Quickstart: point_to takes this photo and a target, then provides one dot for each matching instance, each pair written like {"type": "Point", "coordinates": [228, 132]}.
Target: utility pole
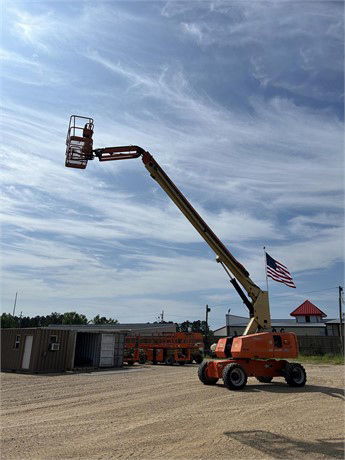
{"type": "Point", "coordinates": [15, 303]}
{"type": "Point", "coordinates": [160, 318]}
{"type": "Point", "coordinates": [228, 323]}
{"type": "Point", "coordinates": [341, 319]}
{"type": "Point", "coordinates": [208, 309]}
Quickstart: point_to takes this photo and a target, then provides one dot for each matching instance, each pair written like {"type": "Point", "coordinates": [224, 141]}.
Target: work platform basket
{"type": "Point", "coordinates": [79, 142]}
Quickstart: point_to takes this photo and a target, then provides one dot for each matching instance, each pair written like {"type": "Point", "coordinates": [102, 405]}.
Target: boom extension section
{"type": "Point", "coordinates": [79, 152]}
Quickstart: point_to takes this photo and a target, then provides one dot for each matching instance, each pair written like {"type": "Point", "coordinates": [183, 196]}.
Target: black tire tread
{"type": "Point", "coordinates": [226, 377]}
{"type": "Point", "coordinates": [203, 377]}
{"type": "Point", "coordinates": [169, 361]}
{"type": "Point", "coordinates": [288, 375]}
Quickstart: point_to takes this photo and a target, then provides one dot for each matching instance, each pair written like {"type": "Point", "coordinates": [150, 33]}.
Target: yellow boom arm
{"type": "Point", "coordinates": [79, 152]}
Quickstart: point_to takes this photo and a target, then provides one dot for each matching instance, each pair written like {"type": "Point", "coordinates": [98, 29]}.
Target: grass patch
{"type": "Point", "coordinates": [321, 359]}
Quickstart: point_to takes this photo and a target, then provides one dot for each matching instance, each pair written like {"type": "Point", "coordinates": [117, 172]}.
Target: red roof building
{"type": "Point", "coordinates": [307, 312]}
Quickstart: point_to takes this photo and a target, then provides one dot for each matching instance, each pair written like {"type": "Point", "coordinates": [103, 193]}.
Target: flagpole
{"type": "Point", "coordinates": [266, 270]}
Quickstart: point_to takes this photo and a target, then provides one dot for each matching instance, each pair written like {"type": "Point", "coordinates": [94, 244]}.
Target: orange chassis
{"type": "Point", "coordinates": [253, 355]}
{"type": "Point", "coordinates": [253, 367]}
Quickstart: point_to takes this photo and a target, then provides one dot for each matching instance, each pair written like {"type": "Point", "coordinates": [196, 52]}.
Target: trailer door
{"type": "Point", "coordinates": [107, 350]}
{"type": "Point", "coordinates": [27, 352]}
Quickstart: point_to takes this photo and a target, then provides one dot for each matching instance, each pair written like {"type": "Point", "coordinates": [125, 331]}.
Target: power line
{"type": "Point", "coordinates": [319, 290]}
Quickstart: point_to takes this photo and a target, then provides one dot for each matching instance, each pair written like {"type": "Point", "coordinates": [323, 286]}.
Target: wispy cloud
{"type": "Point", "coordinates": [31, 71]}
{"type": "Point", "coordinates": [230, 98]}
{"type": "Point", "coordinates": [290, 48]}
{"type": "Point", "coordinates": [33, 29]}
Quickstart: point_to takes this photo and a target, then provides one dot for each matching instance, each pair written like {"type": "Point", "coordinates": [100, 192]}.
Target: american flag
{"type": "Point", "coordinates": [278, 272]}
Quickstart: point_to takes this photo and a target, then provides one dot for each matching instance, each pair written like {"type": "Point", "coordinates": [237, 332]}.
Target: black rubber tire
{"type": "Point", "coordinates": [295, 375]}
{"type": "Point", "coordinates": [234, 376]}
{"type": "Point", "coordinates": [264, 379]}
{"type": "Point", "coordinates": [203, 377]}
{"type": "Point", "coordinates": [142, 360]}
{"type": "Point", "coordinates": [169, 361]}
{"type": "Point", "coordinates": [198, 358]}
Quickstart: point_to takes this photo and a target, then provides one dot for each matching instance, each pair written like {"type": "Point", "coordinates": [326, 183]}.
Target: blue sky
{"type": "Point", "coordinates": [242, 104]}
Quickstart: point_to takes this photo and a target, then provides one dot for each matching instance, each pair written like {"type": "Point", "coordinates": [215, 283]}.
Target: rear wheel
{"type": "Point", "coordinates": [234, 376]}
{"type": "Point", "coordinates": [203, 377]}
{"type": "Point", "coordinates": [295, 375]}
{"type": "Point", "coordinates": [142, 360]}
{"type": "Point", "coordinates": [264, 379]}
{"type": "Point", "coordinates": [169, 360]}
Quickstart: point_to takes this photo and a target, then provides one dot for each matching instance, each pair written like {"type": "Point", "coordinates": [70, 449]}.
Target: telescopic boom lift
{"type": "Point", "coordinates": [256, 343]}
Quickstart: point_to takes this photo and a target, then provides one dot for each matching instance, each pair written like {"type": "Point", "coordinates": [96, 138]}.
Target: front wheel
{"type": "Point", "coordinates": [234, 376]}
{"type": "Point", "coordinates": [203, 377]}
{"type": "Point", "coordinates": [295, 375]}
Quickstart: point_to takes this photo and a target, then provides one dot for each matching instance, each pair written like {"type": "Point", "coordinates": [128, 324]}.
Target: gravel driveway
{"type": "Point", "coordinates": [156, 412]}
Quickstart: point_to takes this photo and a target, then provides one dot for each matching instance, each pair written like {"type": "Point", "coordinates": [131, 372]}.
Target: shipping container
{"type": "Point", "coordinates": [60, 349]}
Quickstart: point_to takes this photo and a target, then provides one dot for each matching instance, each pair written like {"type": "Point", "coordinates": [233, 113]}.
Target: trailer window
{"type": "Point", "coordinates": [17, 342]}
{"type": "Point", "coordinates": [53, 339]}
{"type": "Point", "coordinates": [277, 341]}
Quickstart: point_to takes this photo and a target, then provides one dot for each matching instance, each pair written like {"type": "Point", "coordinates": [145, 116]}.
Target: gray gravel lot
{"type": "Point", "coordinates": [156, 412]}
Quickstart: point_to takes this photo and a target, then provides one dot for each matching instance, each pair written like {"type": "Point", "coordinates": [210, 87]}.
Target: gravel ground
{"type": "Point", "coordinates": [156, 412]}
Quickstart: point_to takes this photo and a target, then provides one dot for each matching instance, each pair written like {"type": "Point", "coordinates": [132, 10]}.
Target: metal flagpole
{"type": "Point", "coordinates": [15, 303]}
{"type": "Point", "coordinates": [266, 270]}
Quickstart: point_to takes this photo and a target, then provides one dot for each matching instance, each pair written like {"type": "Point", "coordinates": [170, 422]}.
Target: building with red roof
{"type": "Point", "coordinates": [309, 321]}
{"type": "Point", "coordinates": [307, 312]}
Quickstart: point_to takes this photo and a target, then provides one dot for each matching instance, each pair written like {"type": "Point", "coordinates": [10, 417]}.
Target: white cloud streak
{"type": "Point", "coordinates": [270, 173]}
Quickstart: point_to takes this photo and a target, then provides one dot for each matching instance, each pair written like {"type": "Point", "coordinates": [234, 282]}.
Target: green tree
{"type": "Point", "coordinates": [196, 326]}
{"type": "Point", "coordinates": [185, 326]}
{"type": "Point", "coordinates": [72, 317]}
{"type": "Point", "coordinates": [54, 318]}
{"type": "Point", "coordinates": [8, 321]}
{"type": "Point", "coordinates": [26, 321]}
{"type": "Point", "coordinates": [103, 320]}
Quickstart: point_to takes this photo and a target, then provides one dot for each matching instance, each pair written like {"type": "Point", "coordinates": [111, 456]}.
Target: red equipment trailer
{"type": "Point", "coordinates": [168, 348]}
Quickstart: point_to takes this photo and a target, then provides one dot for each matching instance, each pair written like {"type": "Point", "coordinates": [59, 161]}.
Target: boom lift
{"type": "Point", "coordinates": [251, 354]}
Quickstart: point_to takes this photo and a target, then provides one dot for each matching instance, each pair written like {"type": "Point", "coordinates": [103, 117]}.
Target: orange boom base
{"type": "Point", "coordinates": [261, 345]}
{"type": "Point", "coordinates": [253, 356]}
